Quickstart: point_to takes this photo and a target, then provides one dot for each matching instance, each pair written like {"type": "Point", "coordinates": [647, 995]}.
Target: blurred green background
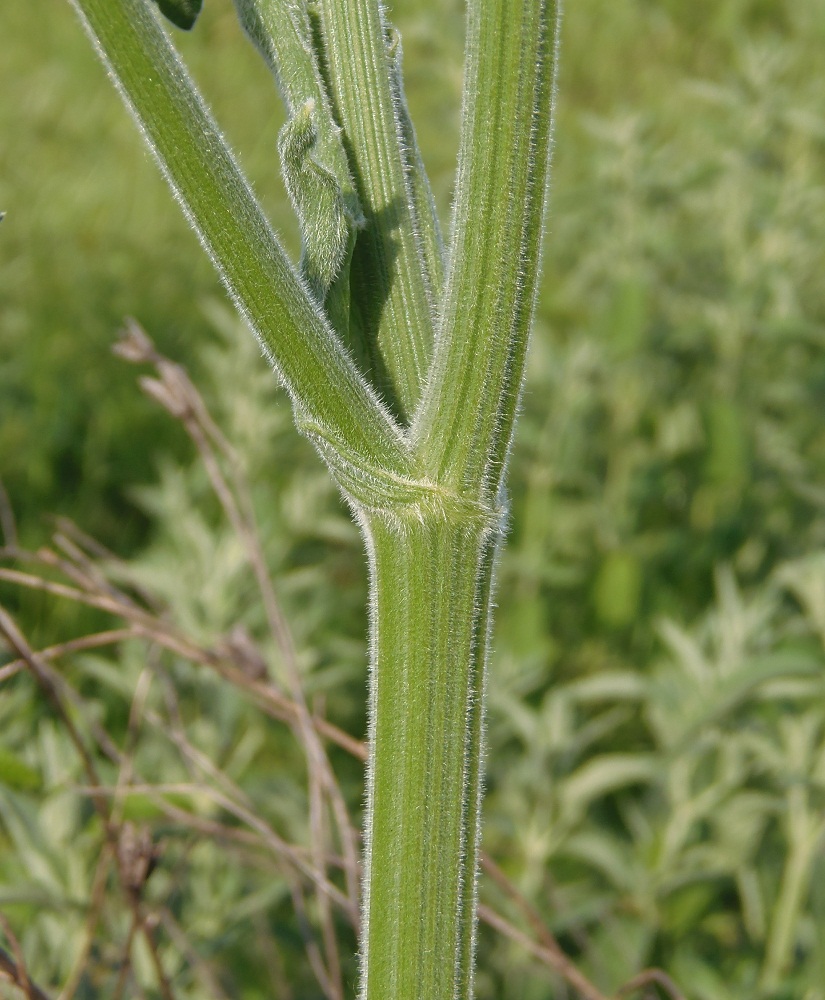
{"type": "Point", "coordinates": [657, 725]}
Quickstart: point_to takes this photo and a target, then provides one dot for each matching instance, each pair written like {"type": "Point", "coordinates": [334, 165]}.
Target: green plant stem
{"type": "Point", "coordinates": [389, 288]}
{"type": "Point", "coordinates": [319, 375]}
{"type": "Point", "coordinates": [430, 607]}
{"type": "Point", "coordinates": [428, 496]}
{"type": "Point", "coordinates": [805, 833]}
{"type": "Point", "coordinates": [468, 411]}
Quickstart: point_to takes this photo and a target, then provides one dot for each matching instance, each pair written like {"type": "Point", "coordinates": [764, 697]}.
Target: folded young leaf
{"type": "Point", "coordinates": [327, 225]}
{"type": "Point", "coordinates": [315, 166]}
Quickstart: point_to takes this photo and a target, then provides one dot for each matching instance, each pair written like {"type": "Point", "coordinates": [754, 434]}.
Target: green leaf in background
{"type": "Point", "coordinates": [182, 13]}
{"type": "Point", "coordinates": [626, 323]}
{"type": "Point", "coordinates": [15, 773]}
{"type": "Point", "coordinates": [617, 589]}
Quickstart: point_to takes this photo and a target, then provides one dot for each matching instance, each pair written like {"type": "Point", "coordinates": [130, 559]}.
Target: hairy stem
{"type": "Point", "coordinates": [425, 483]}
{"type": "Point", "coordinates": [430, 609]}
{"type": "Point", "coordinates": [390, 297]}
{"type": "Point", "coordinates": [319, 375]}
{"type": "Point", "coordinates": [466, 419]}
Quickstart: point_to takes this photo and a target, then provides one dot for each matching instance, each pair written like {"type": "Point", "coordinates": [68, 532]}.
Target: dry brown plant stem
{"type": "Point", "coordinates": [51, 687]}
{"type": "Point", "coordinates": [176, 392]}
{"type": "Point", "coordinates": [14, 970]}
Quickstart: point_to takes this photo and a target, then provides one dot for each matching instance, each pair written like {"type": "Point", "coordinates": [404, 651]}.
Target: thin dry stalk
{"type": "Point", "coordinates": [97, 898]}
{"type": "Point", "coordinates": [545, 938]}
{"type": "Point", "coordinates": [267, 835]}
{"type": "Point", "coordinates": [126, 962]}
{"type": "Point", "coordinates": [224, 661]}
{"type": "Point", "coordinates": [553, 958]}
{"type": "Point", "coordinates": [176, 392]}
{"type": "Point", "coordinates": [648, 977]}
{"type": "Point", "coordinates": [233, 793]}
{"type": "Point", "coordinates": [94, 641]}
{"type": "Point", "coordinates": [104, 557]}
{"type": "Point", "coordinates": [14, 973]}
{"type": "Point", "coordinates": [45, 679]}
{"type": "Point", "coordinates": [14, 970]}
{"type": "Point", "coordinates": [148, 927]}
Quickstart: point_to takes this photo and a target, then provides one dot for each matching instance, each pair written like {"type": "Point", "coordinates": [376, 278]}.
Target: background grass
{"type": "Point", "coordinates": [657, 723]}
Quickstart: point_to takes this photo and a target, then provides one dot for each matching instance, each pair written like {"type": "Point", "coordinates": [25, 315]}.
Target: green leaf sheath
{"type": "Point", "coordinates": [314, 163]}
{"type": "Point", "coordinates": [318, 373]}
{"type": "Point", "coordinates": [394, 315]}
{"type": "Point", "coordinates": [466, 418]}
{"type": "Point", "coordinates": [429, 581]}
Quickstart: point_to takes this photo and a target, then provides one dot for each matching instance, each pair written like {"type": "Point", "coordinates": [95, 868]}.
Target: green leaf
{"type": "Point", "coordinates": [182, 13]}
{"type": "Point", "coordinates": [15, 773]}
{"type": "Point", "coordinates": [604, 774]}
{"type": "Point", "coordinates": [617, 589]}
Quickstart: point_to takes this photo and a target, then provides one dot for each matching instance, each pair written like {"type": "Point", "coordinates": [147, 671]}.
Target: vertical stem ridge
{"type": "Point", "coordinates": [474, 758]}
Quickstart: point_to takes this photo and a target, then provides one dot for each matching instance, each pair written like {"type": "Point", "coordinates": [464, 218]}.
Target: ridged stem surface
{"type": "Point", "coordinates": [318, 373]}
{"type": "Point", "coordinates": [430, 608]}
{"type": "Point", "coordinates": [466, 419]}
{"type": "Point", "coordinates": [427, 486]}
{"type": "Point", "coordinates": [390, 298]}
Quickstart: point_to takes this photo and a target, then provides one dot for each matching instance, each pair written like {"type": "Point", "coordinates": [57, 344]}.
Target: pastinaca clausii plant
{"type": "Point", "coordinates": [403, 357]}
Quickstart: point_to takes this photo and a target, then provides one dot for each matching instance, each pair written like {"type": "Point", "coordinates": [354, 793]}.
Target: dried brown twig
{"type": "Point", "coordinates": [13, 970]}
{"type": "Point", "coordinates": [175, 391]}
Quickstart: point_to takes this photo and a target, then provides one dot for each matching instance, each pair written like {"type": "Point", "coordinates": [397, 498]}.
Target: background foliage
{"type": "Point", "coordinates": [657, 708]}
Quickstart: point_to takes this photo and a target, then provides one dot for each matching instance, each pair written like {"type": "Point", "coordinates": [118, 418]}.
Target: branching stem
{"type": "Point", "coordinates": [424, 474]}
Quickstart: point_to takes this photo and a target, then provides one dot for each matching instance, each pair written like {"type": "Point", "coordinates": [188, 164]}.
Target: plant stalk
{"type": "Point", "coordinates": [424, 473]}
{"type": "Point", "coordinates": [430, 602]}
